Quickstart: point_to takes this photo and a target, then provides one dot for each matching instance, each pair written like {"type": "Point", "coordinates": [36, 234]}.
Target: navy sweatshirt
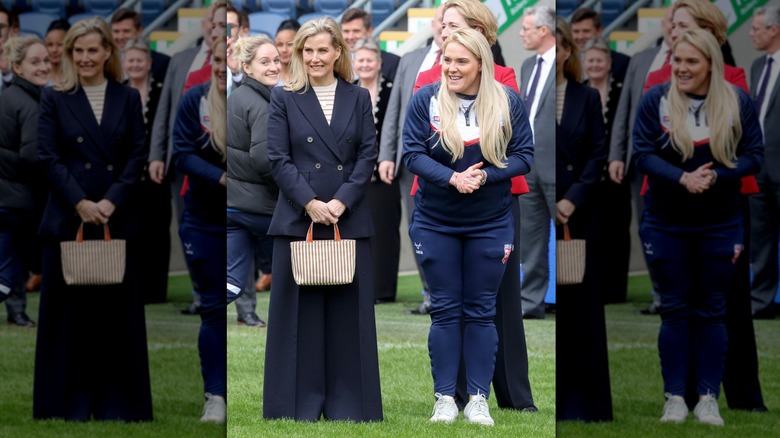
{"type": "Point", "coordinates": [195, 157]}
{"type": "Point", "coordinates": [436, 198]}
{"type": "Point", "coordinates": [666, 198]}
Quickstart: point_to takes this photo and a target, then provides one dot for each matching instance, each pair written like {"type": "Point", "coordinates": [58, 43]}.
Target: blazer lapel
{"type": "Point", "coordinates": [113, 109]}
{"type": "Point", "coordinates": [310, 107]}
{"type": "Point", "coordinates": [79, 106]}
{"type": "Point", "coordinates": [343, 109]}
{"type": "Point", "coordinates": [772, 95]}
{"type": "Point", "coordinates": [572, 113]}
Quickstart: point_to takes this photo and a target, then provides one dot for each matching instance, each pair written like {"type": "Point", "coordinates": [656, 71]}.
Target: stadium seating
{"type": "Point", "coordinates": [380, 10]}
{"type": "Point", "coordinates": [282, 7]}
{"type": "Point", "coordinates": [35, 23]}
{"type": "Point", "coordinates": [53, 7]}
{"type": "Point", "coordinates": [265, 22]}
{"type": "Point", "coordinates": [101, 7]}
{"type": "Point", "coordinates": [313, 16]}
{"type": "Point", "coordinates": [331, 7]}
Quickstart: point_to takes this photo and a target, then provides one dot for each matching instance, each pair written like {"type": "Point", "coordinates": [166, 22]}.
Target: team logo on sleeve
{"type": "Point", "coordinates": [508, 248]}
{"type": "Point", "coordinates": [738, 248]}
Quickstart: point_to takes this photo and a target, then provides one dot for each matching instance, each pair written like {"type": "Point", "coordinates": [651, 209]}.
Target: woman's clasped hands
{"type": "Point", "coordinates": [326, 213]}
{"type": "Point", "coordinates": [700, 179]}
{"type": "Point", "coordinates": [470, 179]}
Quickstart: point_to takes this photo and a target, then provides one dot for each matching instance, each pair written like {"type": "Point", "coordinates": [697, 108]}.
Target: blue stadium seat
{"type": "Point", "coordinates": [250, 6]}
{"type": "Point", "coordinates": [610, 10]}
{"type": "Point", "coordinates": [150, 10]}
{"type": "Point", "coordinates": [265, 22]}
{"type": "Point", "coordinates": [331, 7]}
{"type": "Point", "coordinates": [101, 7]}
{"type": "Point", "coordinates": [283, 7]}
{"type": "Point", "coordinates": [78, 17]}
{"type": "Point", "coordinates": [35, 23]}
{"type": "Point", "coordinates": [564, 8]}
{"type": "Point", "coordinates": [313, 16]}
{"type": "Point", "coordinates": [380, 10]}
{"type": "Point", "coordinates": [54, 7]}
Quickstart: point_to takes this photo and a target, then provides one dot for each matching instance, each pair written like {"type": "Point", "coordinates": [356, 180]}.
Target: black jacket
{"type": "Point", "coordinates": [250, 186]}
{"type": "Point", "coordinates": [21, 174]}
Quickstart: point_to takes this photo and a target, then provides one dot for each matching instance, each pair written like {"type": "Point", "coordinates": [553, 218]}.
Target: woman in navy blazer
{"type": "Point", "coordinates": [89, 363]}
{"type": "Point", "coordinates": [582, 371]}
{"type": "Point", "coordinates": [321, 355]}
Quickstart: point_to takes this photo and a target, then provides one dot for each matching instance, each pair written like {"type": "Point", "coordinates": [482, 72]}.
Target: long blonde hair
{"type": "Point", "coordinates": [721, 104]}
{"type": "Point", "coordinates": [218, 103]}
{"type": "Point", "coordinates": [113, 67]}
{"type": "Point", "coordinates": [492, 104]}
{"type": "Point", "coordinates": [299, 79]}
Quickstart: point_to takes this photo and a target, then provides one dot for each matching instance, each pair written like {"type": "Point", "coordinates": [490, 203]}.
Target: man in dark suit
{"type": "Point", "coordinates": [126, 24]}
{"type": "Point", "coordinates": [586, 24]}
{"type": "Point", "coordinates": [765, 205]}
{"type": "Point", "coordinates": [391, 144]}
{"type": "Point", "coordinates": [537, 208]}
{"type": "Point", "coordinates": [160, 170]}
{"type": "Point", "coordinates": [356, 25]}
{"type": "Point", "coordinates": [621, 146]}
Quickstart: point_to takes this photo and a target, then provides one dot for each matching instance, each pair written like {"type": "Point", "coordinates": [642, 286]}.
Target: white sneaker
{"type": "Point", "coordinates": [444, 410]}
{"type": "Point", "coordinates": [477, 411]}
{"type": "Point", "coordinates": [215, 409]}
{"type": "Point", "coordinates": [675, 409]}
{"type": "Point", "coordinates": [706, 411]}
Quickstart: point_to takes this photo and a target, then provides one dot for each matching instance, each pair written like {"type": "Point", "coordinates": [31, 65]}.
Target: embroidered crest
{"type": "Point", "coordinates": [508, 248]}
{"type": "Point", "coordinates": [417, 248]}
{"type": "Point", "coordinates": [738, 248]}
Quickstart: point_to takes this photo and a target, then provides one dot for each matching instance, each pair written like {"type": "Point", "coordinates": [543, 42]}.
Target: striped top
{"type": "Point", "coordinates": [560, 95]}
{"type": "Point", "coordinates": [326, 95]}
{"type": "Point", "coordinates": [96, 96]}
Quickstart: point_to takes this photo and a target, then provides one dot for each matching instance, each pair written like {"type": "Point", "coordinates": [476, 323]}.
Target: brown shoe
{"type": "Point", "coordinates": [263, 283]}
{"type": "Point", "coordinates": [33, 283]}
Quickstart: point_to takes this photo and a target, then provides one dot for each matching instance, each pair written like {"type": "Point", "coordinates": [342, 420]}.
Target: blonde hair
{"type": "Point", "coordinates": [138, 44]}
{"type": "Point", "coordinates": [721, 104]}
{"type": "Point", "coordinates": [113, 67]}
{"type": "Point", "coordinates": [15, 48]}
{"type": "Point", "coordinates": [491, 105]}
{"type": "Point", "coordinates": [245, 49]}
{"type": "Point", "coordinates": [707, 16]}
{"type": "Point", "coordinates": [477, 16]}
{"type": "Point", "coordinates": [218, 103]}
{"type": "Point", "coordinates": [299, 80]}
{"type": "Point", "coordinates": [572, 68]}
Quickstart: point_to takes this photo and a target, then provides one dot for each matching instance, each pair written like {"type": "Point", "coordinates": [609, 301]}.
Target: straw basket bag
{"type": "Point", "coordinates": [93, 262]}
{"type": "Point", "coordinates": [570, 259]}
{"type": "Point", "coordinates": [323, 262]}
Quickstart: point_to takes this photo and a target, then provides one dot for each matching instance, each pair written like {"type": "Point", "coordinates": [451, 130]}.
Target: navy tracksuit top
{"type": "Point", "coordinates": [434, 166]}
{"type": "Point", "coordinates": [654, 156]}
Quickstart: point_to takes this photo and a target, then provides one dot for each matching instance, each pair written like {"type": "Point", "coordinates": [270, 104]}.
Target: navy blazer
{"type": "Point", "coordinates": [85, 160]}
{"type": "Point", "coordinates": [581, 146]}
{"type": "Point", "coordinates": [311, 159]}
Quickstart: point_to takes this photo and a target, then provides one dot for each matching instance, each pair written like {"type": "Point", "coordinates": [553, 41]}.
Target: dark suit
{"type": "Point", "coordinates": [82, 369]}
{"type": "Point", "coordinates": [619, 65]}
{"type": "Point", "coordinates": [160, 63]}
{"type": "Point", "coordinates": [765, 205]}
{"type": "Point", "coordinates": [538, 206]}
{"type": "Point", "coordinates": [155, 219]}
{"type": "Point", "coordinates": [389, 65]}
{"type": "Point", "coordinates": [321, 355]}
{"type": "Point", "coordinates": [612, 204]}
{"type": "Point", "coordinates": [582, 369]}
{"type": "Point", "coordinates": [385, 204]}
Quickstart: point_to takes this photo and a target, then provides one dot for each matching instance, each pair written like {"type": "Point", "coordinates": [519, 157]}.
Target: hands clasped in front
{"type": "Point", "coordinates": [96, 213]}
{"type": "Point", "coordinates": [700, 179]}
{"type": "Point", "coordinates": [326, 213]}
{"type": "Point", "coordinates": [470, 179]}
